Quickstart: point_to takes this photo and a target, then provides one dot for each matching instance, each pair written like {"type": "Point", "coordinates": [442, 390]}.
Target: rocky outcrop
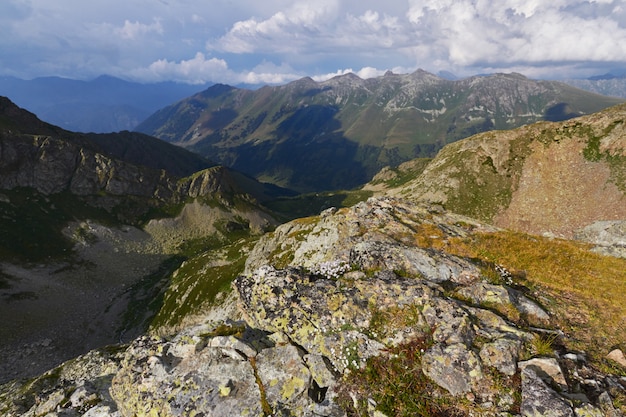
{"type": "Point", "coordinates": [334, 296]}
{"type": "Point", "coordinates": [532, 178]}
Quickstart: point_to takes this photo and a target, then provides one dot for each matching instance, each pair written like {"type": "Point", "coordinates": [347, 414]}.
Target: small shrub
{"type": "Point", "coordinates": [543, 344]}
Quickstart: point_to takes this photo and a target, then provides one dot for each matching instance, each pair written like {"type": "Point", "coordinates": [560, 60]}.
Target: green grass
{"type": "Point", "coordinates": [306, 205]}
{"type": "Point", "coordinates": [198, 281]}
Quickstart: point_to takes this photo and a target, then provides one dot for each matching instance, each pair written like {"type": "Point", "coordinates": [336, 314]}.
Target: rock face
{"type": "Point", "coordinates": [322, 300]}
{"type": "Point", "coordinates": [84, 221]}
{"type": "Point", "coordinates": [532, 178]}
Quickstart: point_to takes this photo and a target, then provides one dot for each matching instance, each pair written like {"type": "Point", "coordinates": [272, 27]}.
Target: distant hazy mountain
{"type": "Point", "coordinates": [608, 84]}
{"type": "Point", "coordinates": [105, 104]}
{"type": "Point", "coordinates": [335, 134]}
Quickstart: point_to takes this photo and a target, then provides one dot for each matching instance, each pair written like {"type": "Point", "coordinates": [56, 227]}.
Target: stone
{"type": "Point", "coordinates": [452, 323]}
{"type": "Point", "coordinates": [588, 410]}
{"type": "Point", "coordinates": [454, 368]}
{"type": "Point", "coordinates": [285, 378]}
{"type": "Point", "coordinates": [617, 356]}
{"type": "Point", "coordinates": [484, 293]}
{"type": "Point", "coordinates": [502, 354]}
{"type": "Point", "coordinates": [232, 347]}
{"type": "Point", "coordinates": [539, 400]}
{"type": "Point", "coordinates": [548, 369]}
{"type": "Point", "coordinates": [101, 411]}
{"type": "Point", "coordinates": [320, 372]}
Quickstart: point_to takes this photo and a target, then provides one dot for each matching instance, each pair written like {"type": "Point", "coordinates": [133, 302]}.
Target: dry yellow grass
{"type": "Point", "coordinates": [586, 292]}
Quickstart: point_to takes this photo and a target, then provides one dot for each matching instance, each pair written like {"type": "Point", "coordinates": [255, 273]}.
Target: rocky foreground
{"type": "Point", "coordinates": [354, 312]}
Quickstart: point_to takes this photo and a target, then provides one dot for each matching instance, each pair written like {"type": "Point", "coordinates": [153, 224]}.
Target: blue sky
{"type": "Point", "coordinates": [276, 41]}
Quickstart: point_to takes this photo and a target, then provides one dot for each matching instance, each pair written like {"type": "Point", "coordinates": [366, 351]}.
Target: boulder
{"type": "Point", "coordinates": [539, 400]}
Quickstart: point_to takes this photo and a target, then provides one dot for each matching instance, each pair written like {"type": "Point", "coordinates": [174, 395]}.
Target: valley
{"type": "Point", "coordinates": [276, 248]}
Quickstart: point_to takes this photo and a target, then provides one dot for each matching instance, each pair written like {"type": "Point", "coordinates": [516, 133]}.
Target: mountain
{"type": "Point", "coordinates": [93, 226]}
{"type": "Point", "coordinates": [544, 178]}
{"type": "Point", "coordinates": [608, 85]}
{"type": "Point", "coordinates": [394, 306]}
{"type": "Point", "coordinates": [337, 134]}
{"type": "Point", "coordinates": [386, 308]}
{"type": "Point", "coordinates": [105, 104]}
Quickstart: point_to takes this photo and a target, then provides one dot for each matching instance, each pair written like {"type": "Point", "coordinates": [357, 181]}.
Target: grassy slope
{"type": "Point", "coordinates": [355, 126]}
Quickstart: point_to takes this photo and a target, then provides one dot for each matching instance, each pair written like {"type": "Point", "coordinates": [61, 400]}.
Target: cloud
{"type": "Point", "coordinates": [284, 31]}
{"type": "Point", "coordinates": [482, 33]}
{"type": "Point", "coordinates": [135, 30]}
{"type": "Point", "coordinates": [14, 10]}
{"type": "Point", "coordinates": [200, 70]}
{"type": "Point", "coordinates": [197, 70]}
{"type": "Point", "coordinates": [322, 38]}
{"type": "Point", "coordinates": [365, 73]}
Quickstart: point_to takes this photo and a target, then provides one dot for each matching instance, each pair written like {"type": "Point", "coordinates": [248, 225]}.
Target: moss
{"type": "Point", "coordinates": [265, 405]}
{"type": "Point", "coordinates": [197, 282]}
{"type": "Point", "coordinates": [225, 330]}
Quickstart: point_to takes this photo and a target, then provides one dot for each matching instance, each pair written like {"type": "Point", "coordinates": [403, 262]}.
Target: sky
{"type": "Point", "coordinates": [276, 41]}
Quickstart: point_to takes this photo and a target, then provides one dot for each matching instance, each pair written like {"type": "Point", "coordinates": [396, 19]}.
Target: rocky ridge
{"type": "Point", "coordinates": [86, 230]}
{"type": "Point", "coordinates": [530, 179]}
{"type": "Point", "coordinates": [336, 134]}
{"type": "Point", "coordinates": [325, 300]}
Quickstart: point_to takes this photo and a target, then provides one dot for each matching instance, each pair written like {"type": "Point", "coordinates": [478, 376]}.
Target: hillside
{"type": "Point", "coordinates": [89, 228]}
{"type": "Point", "coordinates": [614, 86]}
{"type": "Point", "coordinates": [544, 178]}
{"type": "Point", "coordinates": [385, 308]}
{"type": "Point", "coordinates": [337, 134]}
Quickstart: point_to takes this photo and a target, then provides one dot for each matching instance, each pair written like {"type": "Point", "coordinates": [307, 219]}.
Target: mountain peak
{"type": "Point", "coordinates": [16, 119]}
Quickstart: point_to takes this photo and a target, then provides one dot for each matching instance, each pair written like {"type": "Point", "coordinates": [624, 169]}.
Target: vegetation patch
{"type": "Point", "coordinates": [585, 292]}
{"type": "Point", "coordinates": [199, 280]}
{"type": "Point", "coordinates": [398, 386]}
{"type": "Point", "coordinates": [306, 205]}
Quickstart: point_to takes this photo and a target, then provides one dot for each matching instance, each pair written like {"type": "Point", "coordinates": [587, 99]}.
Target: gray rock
{"type": "Point", "coordinates": [502, 354]}
{"type": "Point", "coordinates": [539, 400]}
{"type": "Point", "coordinates": [609, 237]}
{"type": "Point", "coordinates": [454, 368]}
{"type": "Point", "coordinates": [548, 369]}
{"type": "Point", "coordinates": [484, 293]}
{"type": "Point", "coordinates": [588, 410]}
{"type": "Point", "coordinates": [285, 377]}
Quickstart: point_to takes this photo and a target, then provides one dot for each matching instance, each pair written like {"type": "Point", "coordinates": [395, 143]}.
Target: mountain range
{"type": "Point", "coordinates": [103, 105]}
{"type": "Point", "coordinates": [473, 281]}
{"type": "Point", "coordinates": [86, 220]}
{"type": "Point", "coordinates": [337, 134]}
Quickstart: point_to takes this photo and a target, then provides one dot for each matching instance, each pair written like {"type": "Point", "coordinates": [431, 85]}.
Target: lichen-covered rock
{"type": "Point", "coordinates": [548, 369]}
{"type": "Point", "coordinates": [370, 236]}
{"type": "Point", "coordinates": [489, 294]}
{"type": "Point", "coordinates": [340, 299]}
{"type": "Point", "coordinates": [454, 367]}
{"type": "Point", "coordinates": [152, 380]}
{"type": "Point", "coordinates": [539, 400]}
{"type": "Point", "coordinates": [502, 354]}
